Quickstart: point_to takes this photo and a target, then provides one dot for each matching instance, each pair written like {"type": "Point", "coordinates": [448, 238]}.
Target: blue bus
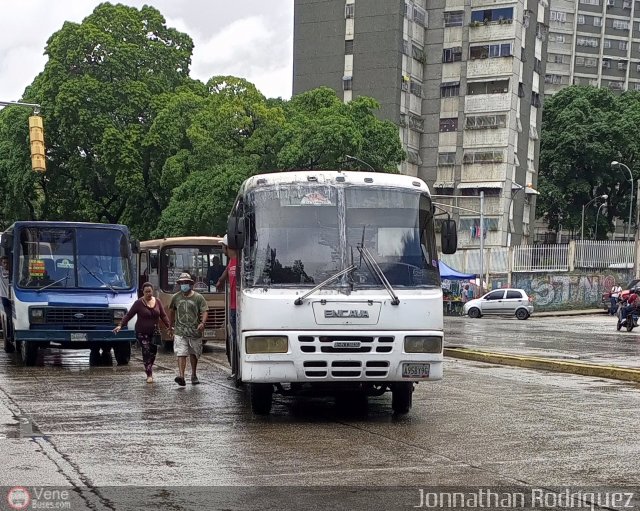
{"type": "Point", "coordinates": [70, 284]}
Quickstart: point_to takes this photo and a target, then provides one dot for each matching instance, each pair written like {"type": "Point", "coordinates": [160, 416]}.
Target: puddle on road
{"type": "Point", "coordinates": [23, 428]}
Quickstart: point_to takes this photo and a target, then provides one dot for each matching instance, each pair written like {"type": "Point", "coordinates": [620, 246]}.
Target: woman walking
{"type": "Point", "coordinates": [149, 311]}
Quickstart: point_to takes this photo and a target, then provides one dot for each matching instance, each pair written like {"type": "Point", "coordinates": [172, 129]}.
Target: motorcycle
{"type": "Point", "coordinates": [629, 322]}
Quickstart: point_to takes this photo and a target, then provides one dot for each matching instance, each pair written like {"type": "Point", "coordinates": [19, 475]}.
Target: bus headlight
{"type": "Point", "coordinates": [36, 315]}
{"type": "Point", "coordinates": [428, 344]}
{"type": "Point", "coordinates": [118, 314]}
{"type": "Point", "coordinates": [267, 344]}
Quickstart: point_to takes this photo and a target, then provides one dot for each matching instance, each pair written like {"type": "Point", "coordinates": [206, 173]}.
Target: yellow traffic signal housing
{"type": "Point", "coordinates": [36, 136]}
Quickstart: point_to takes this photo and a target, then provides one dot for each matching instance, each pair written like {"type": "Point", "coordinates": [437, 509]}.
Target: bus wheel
{"type": "Point", "coordinates": [401, 397]}
{"type": "Point", "coordinates": [261, 398]}
{"type": "Point", "coordinates": [123, 353]}
{"type": "Point", "coordinates": [29, 353]}
{"type": "Point", "coordinates": [8, 346]}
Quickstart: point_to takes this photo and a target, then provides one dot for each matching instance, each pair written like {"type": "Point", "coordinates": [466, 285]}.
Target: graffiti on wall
{"type": "Point", "coordinates": [567, 291]}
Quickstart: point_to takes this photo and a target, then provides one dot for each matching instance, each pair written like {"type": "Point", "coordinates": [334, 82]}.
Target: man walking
{"type": "Point", "coordinates": [187, 315]}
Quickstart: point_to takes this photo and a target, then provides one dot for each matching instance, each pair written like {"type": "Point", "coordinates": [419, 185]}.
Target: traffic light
{"type": "Point", "coordinates": [36, 136]}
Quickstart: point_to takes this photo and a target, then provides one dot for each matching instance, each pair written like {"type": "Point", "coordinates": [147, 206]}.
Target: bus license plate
{"type": "Point", "coordinates": [78, 336]}
{"type": "Point", "coordinates": [209, 332]}
{"type": "Point", "coordinates": [415, 370]}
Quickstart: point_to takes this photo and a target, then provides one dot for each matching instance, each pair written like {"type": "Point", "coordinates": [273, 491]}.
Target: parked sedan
{"type": "Point", "coordinates": [500, 301]}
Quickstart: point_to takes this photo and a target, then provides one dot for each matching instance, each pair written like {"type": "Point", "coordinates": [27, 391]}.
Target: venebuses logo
{"type": "Point", "coordinates": [18, 497]}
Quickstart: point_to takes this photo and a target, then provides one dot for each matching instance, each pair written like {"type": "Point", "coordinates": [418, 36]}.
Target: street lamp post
{"type": "Point", "coordinates": [597, 215]}
{"type": "Point", "coordinates": [618, 164]}
{"type": "Point", "coordinates": [605, 197]}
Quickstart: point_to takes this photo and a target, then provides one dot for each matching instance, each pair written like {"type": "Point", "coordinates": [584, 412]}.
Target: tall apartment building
{"type": "Point", "coordinates": [593, 42]}
{"type": "Point", "coordinates": [463, 81]}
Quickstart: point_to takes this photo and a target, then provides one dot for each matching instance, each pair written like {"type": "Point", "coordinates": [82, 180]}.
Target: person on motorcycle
{"type": "Point", "coordinates": [632, 307]}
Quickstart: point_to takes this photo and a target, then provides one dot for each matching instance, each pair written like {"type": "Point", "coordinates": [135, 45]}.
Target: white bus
{"type": "Point", "coordinates": [338, 285]}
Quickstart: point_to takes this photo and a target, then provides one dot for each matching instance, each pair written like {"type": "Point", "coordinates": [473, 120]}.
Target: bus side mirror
{"type": "Point", "coordinates": [235, 233]}
{"type": "Point", "coordinates": [135, 246]}
{"type": "Point", "coordinates": [449, 237]}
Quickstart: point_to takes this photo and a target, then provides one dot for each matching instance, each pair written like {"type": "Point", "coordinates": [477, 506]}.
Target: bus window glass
{"type": "Point", "coordinates": [204, 264]}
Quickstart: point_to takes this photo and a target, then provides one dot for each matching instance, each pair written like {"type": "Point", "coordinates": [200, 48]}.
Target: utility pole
{"type": "Point", "coordinates": [481, 243]}
{"type": "Point", "coordinates": [636, 246]}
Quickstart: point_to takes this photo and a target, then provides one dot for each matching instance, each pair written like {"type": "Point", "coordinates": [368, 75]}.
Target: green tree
{"type": "Point", "coordinates": [583, 130]}
{"type": "Point", "coordinates": [100, 91]}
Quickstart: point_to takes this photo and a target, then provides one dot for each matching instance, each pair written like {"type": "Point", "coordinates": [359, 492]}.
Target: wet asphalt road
{"type": "Point", "coordinates": [97, 429]}
{"type": "Point", "coordinates": [590, 338]}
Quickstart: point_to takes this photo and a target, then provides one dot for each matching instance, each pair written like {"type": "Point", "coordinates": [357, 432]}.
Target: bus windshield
{"type": "Point", "coordinates": [300, 235]}
{"type": "Point", "coordinates": [205, 264]}
{"type": "Point", "coordinates": [73, 257]}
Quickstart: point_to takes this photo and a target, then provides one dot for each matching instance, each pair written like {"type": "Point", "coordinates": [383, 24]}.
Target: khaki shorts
{"type": "Point", "coordinates": [185, 346]}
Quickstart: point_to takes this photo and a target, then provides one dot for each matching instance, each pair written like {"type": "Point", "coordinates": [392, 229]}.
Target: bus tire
{"type": "Point", "coordinates": [261, 398]}
{"type": "Point", "coordinates": [122, 352]}
{"type": "Point", "coordinates": [8, 346]}
{"type": "Point", "coordinates": [401, 397]}
{"type": "Point", "coordinates": [29, 353]}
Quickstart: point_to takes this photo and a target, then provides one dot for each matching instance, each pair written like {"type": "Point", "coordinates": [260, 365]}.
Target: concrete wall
{"type": "Point", "coordinates": [564, 291]}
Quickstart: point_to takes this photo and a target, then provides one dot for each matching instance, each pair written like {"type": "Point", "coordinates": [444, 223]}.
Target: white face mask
{"type": "Point", "coordinates": [185, 288]}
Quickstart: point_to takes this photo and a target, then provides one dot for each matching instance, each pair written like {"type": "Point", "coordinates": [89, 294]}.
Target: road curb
{"type": "Point", "coordinates": [560, 366]}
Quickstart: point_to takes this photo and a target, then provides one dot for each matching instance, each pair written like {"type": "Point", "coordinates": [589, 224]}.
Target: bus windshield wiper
{"type": "Point", "coordinates": [54, 283]}
{"type": "Point", "coordinates": [98, 278]}
{"type": "Point", "coordinates": [375, 269]}
{"type": "Point", "coordinates": [326, 282]}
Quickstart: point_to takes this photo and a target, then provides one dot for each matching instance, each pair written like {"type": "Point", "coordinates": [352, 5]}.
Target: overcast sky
{"type": "Point", "coordinates": [248, 38]}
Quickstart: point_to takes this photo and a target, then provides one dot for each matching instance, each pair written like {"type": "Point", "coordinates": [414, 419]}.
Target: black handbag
{"type": "Point", "coordinates": [157, 337]}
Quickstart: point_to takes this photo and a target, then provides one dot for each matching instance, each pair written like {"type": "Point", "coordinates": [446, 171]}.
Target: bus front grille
{"type": "Point", "coordinates": [78, 317]}
{"type": "Point", "coordinates": [216, 318]}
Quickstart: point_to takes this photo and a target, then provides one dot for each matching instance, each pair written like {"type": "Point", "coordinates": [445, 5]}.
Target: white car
{"type": "Point", "coordinates": [500, 301]}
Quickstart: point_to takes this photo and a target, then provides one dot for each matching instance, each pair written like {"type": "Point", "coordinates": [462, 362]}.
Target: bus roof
{"type": "Point", "coordinates": [373, 179]}
{"type": "Point", "coordinates": [52, 223]}
{"type": "Point", "coordinates": [183, 241]}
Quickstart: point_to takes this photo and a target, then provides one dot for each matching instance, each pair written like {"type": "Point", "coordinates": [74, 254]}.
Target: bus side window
{"type": "Point", "coordinates": [153, 262]}
{"type": "Point", "coordinates": [144, 265]}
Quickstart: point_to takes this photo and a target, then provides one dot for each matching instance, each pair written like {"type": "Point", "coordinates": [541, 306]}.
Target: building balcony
{"type": "Point", "coordinates": [492, 32]}
{"type": "Point", "coordinates": [499, 66]}
{"type": "Point", "coordinates": [484, 172]}
{"type": "Point", "coordinates": [488, 103]}
{"type": "Point", "coordinates": [492, 205]}
{"type": "Point", "coordinates": [492, 137]}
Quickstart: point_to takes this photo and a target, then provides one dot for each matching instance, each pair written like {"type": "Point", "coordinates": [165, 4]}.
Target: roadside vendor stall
{"type": "Point", "coordinates": [452, 280]}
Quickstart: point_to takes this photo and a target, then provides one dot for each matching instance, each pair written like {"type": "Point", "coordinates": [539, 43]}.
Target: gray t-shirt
{"type": "Point", "coordinates": [188, 311]}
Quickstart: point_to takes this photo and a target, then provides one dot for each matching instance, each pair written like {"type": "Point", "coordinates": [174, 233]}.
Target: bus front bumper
{"type": "Point", "coordinates": [78, 337]}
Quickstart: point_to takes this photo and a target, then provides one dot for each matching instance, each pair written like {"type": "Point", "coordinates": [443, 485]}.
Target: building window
{"type": "Point", "coordinates": [449, 89]}
{"type": "Point", "coordinates": [559, 16]}
{"type": "Point", "coordinates": [590, 62]}
{"type": "Point", "coordinates": [454, 19]}
{"type": "Point", "coordinates": [490, 51]}
{"type": "Point", "coordinates": [579, 61]}
{"type": "Point", "coordinates": [446, 159]}
{"type": "Point", "coordinates": [533, 133]}
{"type": "Point", "coordinates": [626, 4]}
{"type": "Point", "coordinates": [452, 54]}
{"type": "Point", "coordinates": [581, 20]}
{"type": "Point", "coordinates": [415, 88]}
{"type": "Point", "coordinates": [492, 87]}
{"type": "Point", "coordinates": [597, 21]}
{"type": "Point", "coordinates": [623, 45]}
{"type": "Point", "coordinates": [419, 16]}
{"type": "Point", "coordinates": [535, 100]}
{"type": "Point", "coordinates": [587, 41]}
{"type": "Point", "coordinates": [486, 156]}
{"type": "Point", "coordinates": [347, 83]}
{"type": "Point", "coordinates": [537, 65]}
{"type": "Point", "coordinates": [558, 59]}
{"type": "Point", "coordinates": [349, 11]}
{"type": "Point", "coordinates": [447, 125]}
{"type": "Point", "coordinates": [553, 79]}
{"type": "Point", "coordinates": [405, 47]}
{"type": "Point", "coordinates": [492, 15]}
{"type": "Point", "coordinates": [407, 10]}
{"type": "Point", "coordinates": [348, 47]}
{"type": "Point", "coordinates": [620, 25]}
{"type": "Point", "coordinates": [611, 3]}
{"type": "Point", "coordinates": [638, 68]}
{"type": "Point", "coordinates": [606, 64]}
{"type": "Point", "coordinates": [481, 122]}
{"type": "Point", "coordinates": [606, 44]}
{"type": "Point", "coordinates": [590, 2]}
{"type": "Point", "coordinates": [636, 86]}
{"type": "Point", "coordinates": [622, 65]}
{"type": "Point", "coordinates": [521, 90]}
{"type": "Point", "coordinates": [616, 85]}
